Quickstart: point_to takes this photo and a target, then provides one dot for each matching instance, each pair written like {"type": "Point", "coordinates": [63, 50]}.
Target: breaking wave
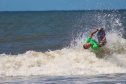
{"type": "Point", "coordinates": [73, 60]}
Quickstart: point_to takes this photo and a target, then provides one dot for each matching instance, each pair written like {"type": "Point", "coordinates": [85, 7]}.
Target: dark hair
{"type": "Point", "coordinates": [84, 46]}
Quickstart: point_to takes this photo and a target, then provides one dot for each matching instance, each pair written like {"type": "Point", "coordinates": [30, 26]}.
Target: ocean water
{"type": "Point", "coordinates": [46, 47]}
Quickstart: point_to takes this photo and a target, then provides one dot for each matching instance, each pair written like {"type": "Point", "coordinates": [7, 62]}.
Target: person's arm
{"type": "Point", "coordinates": [94, 32]}
{"type": "Point", "coordinates": [102, 42]}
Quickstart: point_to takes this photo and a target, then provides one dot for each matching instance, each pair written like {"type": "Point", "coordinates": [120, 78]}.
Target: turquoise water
{"type": "Point", "coordinates": [46, 47]}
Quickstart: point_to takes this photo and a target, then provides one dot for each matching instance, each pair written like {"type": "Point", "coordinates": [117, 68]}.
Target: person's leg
{"type": "Point", "coordinates": [102, 42]}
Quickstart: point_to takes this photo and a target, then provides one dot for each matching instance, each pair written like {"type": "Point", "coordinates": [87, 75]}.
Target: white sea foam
{"type": "Point", "coordinates": [68, 61]}
{"type": "Point", "coordinates": [73, 60]}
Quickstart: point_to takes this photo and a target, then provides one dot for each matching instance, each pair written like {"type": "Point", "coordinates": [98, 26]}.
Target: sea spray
{"type": "Point", "coordinates": [70, 60]}
{"type": "Point", "coordinates": [67, 61]}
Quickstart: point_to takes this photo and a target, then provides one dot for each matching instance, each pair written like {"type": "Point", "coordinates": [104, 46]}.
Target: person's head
{"type": "Point", "coordinates": [87, 45]}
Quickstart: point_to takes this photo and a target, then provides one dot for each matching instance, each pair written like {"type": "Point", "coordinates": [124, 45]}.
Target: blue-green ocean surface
{"type": "Point", "coordinates": [47, 47]}
{"type": "Point", "coordinates": [44, 30]}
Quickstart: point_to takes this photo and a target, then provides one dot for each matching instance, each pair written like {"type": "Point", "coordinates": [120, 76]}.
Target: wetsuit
{"type": "Point", "coordinates": [95, 45]}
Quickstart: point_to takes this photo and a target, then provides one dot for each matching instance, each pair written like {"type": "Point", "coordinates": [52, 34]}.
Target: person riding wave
{"type": "Point", "coordinates": [92, 43]}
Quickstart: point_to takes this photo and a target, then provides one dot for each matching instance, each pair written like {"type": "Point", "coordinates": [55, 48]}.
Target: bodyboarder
{"type": "Point", "coordinates": [92, 43]}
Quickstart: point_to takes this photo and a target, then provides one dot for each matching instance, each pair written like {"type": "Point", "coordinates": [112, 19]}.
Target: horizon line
{"type": "Point", "coordinates": [63, 10]}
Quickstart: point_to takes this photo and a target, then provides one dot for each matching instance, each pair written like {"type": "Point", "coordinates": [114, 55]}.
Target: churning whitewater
{"type": "Point", "coordinates": [68, 61]}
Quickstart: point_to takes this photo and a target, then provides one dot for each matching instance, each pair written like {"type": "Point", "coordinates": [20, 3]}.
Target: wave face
{"type": "Point", "coordinates": [67, 61]}
{"type": "Point", "coordinates": [73, 59]}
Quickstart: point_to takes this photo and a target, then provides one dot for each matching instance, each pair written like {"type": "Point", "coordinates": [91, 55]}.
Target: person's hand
{"type": "Point", "coordinates": [99, 29]}
{"type": "Point", "coordinates": [104, 39]}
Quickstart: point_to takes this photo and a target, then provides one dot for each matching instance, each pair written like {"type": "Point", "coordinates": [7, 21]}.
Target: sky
{"type": "Point", "coordinates": [43, 5]}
